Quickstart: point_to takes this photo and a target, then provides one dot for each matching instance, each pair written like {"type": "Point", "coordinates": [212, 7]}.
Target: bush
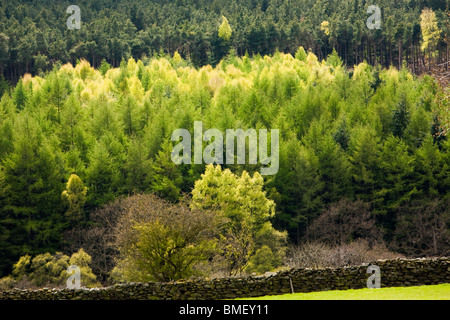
{"type": "Point", "coordinates": [359, 252]}
{"type": "Point", "coordinates": [262, 261]}
{"type": "Point", "coordinates": [22, 267]}
{"type": "Point", "coordinates": [47, 270]}
{"type": "Point", "coordinates": [161, 241]}
{"type": "Point", "coordinates": [7, 283]}
{"type": "Point", "coordinates": [320, 255]}
{"type": "Point", "coordinates": [83, 260]}
{"type": "Point", "coordinates": [309, 255]}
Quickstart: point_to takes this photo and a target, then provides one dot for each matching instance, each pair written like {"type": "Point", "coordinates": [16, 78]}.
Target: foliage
{"type": "Point", "coordinates": [225, 29]}
{"type": "Point", "coordinates": [48, 269]}
{"type": "Point", "coordinates": [83, 261]}
{"type": "Point", "coordinates": [34, 35]}
{"type": "Point", "coordinates": [362, 134]}
{"type": "Point", "coordinates": [75, 195]}
{"type": "Point", "coordinates": [159, 241]}
{"type": "Point", "coordinates": [242, 200]}
{"type": "Point", "coordinates": [430, 29]}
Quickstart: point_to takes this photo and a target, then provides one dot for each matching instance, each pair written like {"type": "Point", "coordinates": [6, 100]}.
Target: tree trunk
{"type": "Point", "coordinates": [390, 53]}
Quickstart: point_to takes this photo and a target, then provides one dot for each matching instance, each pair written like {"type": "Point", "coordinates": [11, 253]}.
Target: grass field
{"type": "Point", "coordinates": [434, 292]}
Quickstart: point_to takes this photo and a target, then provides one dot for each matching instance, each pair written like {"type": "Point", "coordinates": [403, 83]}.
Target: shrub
{"type": "Point", "coordinates": [50, 270]}
{"type": "Point", "coordinates": [320, 255]}
{"type": "Point", "coordinates": [7, 283]}
{"type": "Point", "coordinates": [83, 260]}
{"type": "Point", "coordinates": [262, 261]}
{"type": "Point", "coordinates": [162, 241]}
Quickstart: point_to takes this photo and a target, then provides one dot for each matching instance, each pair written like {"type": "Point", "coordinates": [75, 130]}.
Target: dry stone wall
{"type": "Point", "coordinates": [394, 273]}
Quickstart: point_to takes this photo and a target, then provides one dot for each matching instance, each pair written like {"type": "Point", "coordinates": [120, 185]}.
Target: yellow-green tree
{"type": "Point", "coordinates": [243, 201]}
{"type": "Point", "coordinates": [75, 197]}
{"type": "Point", "coordinates": [82, 260]}
{"type": "Point", "coordinates": [325, 27]}
{"type": "Point", "coordinates": [225, 29]}
{"type": "Point", "coordinates": [430, 31]}
{"type": "Point", "coordinates": [161, 241]}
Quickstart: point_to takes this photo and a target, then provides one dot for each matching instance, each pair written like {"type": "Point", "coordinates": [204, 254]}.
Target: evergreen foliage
{"type": "Point", "coordinates": [364, 134]}
{"type": "Point", "coordinates": [34, 35]}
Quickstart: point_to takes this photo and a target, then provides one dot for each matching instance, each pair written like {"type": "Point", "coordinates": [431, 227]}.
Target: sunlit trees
{"type": "Point", "coordinates": [50, 270]}
{"type": "Point", "coordinates": [75, 196]}
{"type": "Point", "coordinates": [430, 31]}
{"type": "Point", "coordinates": [203, 35]}
{"type": "Point", "coordinates": [225, 29]}
{"type": "Point", "coordinates": [20, 95]}
{"type": "Point", "coordinates": [242, 201]}
{"type": "Point", "coordinates": [364, 133]}
{"type": "Point", "coordinates": [364, 152]}
{"type": "Point", "coordinates": [102, 175]}
{"type": "Point", "coordinates": [34, 173]}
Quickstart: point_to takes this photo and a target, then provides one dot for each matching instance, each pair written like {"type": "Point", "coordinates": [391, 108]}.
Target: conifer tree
{"type": "Point", "coordinates": [430, 31]}
{"type": "Point", "coordinates": [20, 95]}
{"type": "Point", "coordinates": [75, 196]}
{"type": "Point", "coordinates": [225, 29]}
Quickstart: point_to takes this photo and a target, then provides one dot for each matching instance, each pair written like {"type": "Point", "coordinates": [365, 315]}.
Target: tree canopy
{"type": "Point", "coordinates": [34, 35]}
{"type": "Point", "coordinates": [367, 133]}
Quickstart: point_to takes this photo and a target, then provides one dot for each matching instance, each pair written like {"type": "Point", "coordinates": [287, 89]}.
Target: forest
{"type": "Point", "coordinates": [86, 118]}
{"type": "Point", "coordinates": [34, 35]}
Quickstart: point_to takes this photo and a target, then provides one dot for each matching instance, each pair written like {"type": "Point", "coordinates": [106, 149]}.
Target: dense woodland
{"type": "Point", "coordinates": [371, 135]}
{"type": "Point", "coordinates": [34, 35]}
{"type": "Point", "coordinates": [85, 135]}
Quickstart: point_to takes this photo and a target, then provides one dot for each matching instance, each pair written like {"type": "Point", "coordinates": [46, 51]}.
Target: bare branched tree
{"type": "Point", "coordinates": [424, 229]}
{"type": "Point", "coordinates": [344, 222]}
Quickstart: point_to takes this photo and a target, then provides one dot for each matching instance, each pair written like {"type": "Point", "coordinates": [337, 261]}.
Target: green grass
{"type": "Point", "coordinates": [433, 292]}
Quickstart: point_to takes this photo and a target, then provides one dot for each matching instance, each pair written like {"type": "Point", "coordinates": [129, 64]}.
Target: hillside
{"type": "Point", "coordinates": [34, 34]}
{"type": "Point", "coordinates": [366, 135]}
{"type": "Point", "coordinates": [161, 140]}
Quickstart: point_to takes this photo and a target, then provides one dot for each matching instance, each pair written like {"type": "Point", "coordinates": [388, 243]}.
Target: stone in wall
{"type": "Point", "coordinates": [398, 272]}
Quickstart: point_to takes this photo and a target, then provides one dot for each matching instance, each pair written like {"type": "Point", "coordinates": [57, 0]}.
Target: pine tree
{"type": "Point", "coordinates": [225, 29]}
{"type": "Point", "coordinates": [20, 96]}
{"type": "Point", "coordinates": [137, 167]}
{"type": "Point", "coordinates": [102, 175]}
{"type": "Point", "coordinates": [301, 54]}
{"type": "Point", "coordinates": [104, 67]}
{"type": "Point", "coordinates": [334, 60]}
{"type": "Point", "coordinates": [400, 118]}
{"type": "Point", "coordinates": [363, 154]}
{"type": "Point", "coordinates": [75, 196]}
{"type": "Point", "coordinates": [166, 179]}
{"type": "Point", "coordinates": [70, 118]}
{"type": "Point", "coordinates": [397, 168]}
{"type": "Point", "coordinates": [34, 171]}
{"type": "Point", "coordinates": [430, 32]}
{"type": "Point", "coordinates": [429, 169]}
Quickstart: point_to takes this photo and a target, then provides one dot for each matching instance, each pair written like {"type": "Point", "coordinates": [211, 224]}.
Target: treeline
{"type": "Point", "coordinates": [368, 134]}
{"type": "Point", "coordinates": [34, 35]}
